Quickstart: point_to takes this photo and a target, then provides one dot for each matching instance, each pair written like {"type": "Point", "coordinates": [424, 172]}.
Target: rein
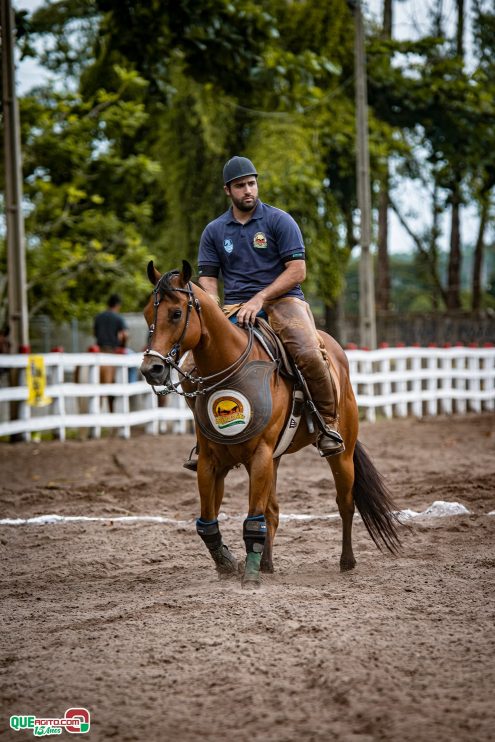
{"type": "Point", "coordinates": [173, 356]}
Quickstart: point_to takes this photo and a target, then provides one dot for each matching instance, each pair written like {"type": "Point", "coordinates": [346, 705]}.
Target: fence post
{"type": "Point", "coordinates": [474, 384]}
{"type": "Point", "coordinates": [401, 386]}
{"type": "Point", "coordinates": [432, 385]}
{"type": "Point", "coordinates": [417, 404]}
{"type": "Point", "coordinates": [446, 383]}
{"type": "Point", "coordinates": [23, 410]}
{"type": "Point", "coordinates": [122, 400]}
{"type": "Point", "coordinates": [151, 403]}
{"type": "Point", "coordinates": [59, 403]}
{"type": "Point", "coordinates": [385, 388]}
{"type": "Point", "coordinates": [460, 384]}
{"type": "Point", "coordinates": [489, 381]}
{"type": "Point", "coordinates": [94, 404]}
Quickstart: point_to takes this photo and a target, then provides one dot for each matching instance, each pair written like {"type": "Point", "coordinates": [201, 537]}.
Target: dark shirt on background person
{"type": "Point", "coordinates": [110, 328]}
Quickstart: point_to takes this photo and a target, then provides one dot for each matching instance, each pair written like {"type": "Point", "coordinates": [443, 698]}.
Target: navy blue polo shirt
{"type": "Point", "coordinates": [250, 256]}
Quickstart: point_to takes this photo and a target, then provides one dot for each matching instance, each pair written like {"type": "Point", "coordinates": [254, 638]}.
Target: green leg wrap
{"type": "Point", "coordinates": [252, 569]}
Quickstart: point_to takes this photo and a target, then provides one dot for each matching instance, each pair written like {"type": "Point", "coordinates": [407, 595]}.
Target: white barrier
{"type": "Point", "coordinates": [391, 382]}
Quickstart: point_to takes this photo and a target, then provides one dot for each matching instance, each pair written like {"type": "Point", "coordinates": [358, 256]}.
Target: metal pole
{"type": "Point", "coordinates": [16, 253]}
{"type": "Point", "coordinates": [367, 316]}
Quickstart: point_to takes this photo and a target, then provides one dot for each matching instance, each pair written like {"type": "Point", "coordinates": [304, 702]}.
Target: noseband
{"type": "Point", "coordinates": [173, 356]}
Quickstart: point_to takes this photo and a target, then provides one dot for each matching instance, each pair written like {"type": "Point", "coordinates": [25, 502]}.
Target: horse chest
{"type": "Point", "coordinates": [240, 409]}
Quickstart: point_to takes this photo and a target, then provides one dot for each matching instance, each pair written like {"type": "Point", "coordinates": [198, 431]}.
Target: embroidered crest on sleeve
{"type": "Point", "coordinates": [259, 240]}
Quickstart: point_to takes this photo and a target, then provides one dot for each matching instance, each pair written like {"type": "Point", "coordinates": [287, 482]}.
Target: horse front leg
{"type": "Point", "coordinates": [271, 515]}
{"type": "Point", "coordinates": [261, 474]}
{"type": "Point", "coordinates": [211, 479]}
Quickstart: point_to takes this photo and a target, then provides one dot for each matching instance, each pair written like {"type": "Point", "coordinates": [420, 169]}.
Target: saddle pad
{"type": "Point", "coordinates": [240, 410]}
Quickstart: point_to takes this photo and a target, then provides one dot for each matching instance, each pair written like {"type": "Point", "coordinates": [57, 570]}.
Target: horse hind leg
{"type": "Point", "coordinates": [343, 473]}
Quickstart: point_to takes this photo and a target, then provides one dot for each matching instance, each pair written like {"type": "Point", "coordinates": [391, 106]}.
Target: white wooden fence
{"type": "Point", "coordinates": [389, 382]}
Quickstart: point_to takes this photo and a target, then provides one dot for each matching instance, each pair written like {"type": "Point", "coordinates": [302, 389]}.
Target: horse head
{"type": "Point", "coordinates": [170, 313]}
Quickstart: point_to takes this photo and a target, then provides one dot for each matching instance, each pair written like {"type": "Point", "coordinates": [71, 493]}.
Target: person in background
{"type": "Point", "coordinates": [111, 335]}
{"type": "Point", "coordinates": [110, 329]}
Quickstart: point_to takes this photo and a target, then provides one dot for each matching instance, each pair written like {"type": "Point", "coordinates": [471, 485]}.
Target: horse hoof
{"type": "Point", "coordinates": [347, 564]}
{"type": "Point", "coordinates": [267, 568]}
{"type": "Point", "coordinates": [226, 574]}
{"type": "Point", "coordinates": [225, 561]}
{"type": "Point", "coordinates": [251, 583]}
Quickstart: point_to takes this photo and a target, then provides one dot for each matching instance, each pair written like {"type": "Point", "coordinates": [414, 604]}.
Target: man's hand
{"type": "Point", "coordinates": [248, 311]}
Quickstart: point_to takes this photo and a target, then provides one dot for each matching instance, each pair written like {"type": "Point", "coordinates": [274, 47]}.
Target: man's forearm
{"type": "Point", "coordinates": [294, 273]}
{"type": "Point", "coordinates": [210, 285]}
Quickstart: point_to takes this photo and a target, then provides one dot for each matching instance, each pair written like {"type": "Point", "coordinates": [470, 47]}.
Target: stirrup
{"type": "Point", "coordinates": [192, 463]}
{"type": "Point", "coordinates": [330, 443]}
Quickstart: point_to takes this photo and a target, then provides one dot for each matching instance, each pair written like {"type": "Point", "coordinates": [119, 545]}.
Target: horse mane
{"type": "Point", "coordinates": [164, 285]}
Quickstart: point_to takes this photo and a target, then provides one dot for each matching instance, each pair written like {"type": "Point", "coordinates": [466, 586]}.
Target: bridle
{"type": "Point", "coordinates": [173, 356]}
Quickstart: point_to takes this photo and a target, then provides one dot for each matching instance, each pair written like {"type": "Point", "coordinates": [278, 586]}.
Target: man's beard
{"type": "Point", "coordinates": [239, 204]}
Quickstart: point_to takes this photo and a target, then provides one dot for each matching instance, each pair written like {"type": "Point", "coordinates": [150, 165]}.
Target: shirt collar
{"type": "Point", "coordinates": [258, 214]}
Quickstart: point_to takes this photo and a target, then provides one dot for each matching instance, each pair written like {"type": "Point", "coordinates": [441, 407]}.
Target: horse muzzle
{"type": "Point", "coordinates": [155, 370]}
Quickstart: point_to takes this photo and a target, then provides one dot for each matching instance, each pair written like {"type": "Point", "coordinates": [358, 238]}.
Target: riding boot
{"type": "Point", "coordinates": [192, 462]}
{"type": "Point", "coordinates": [292, 320]}
{"type": "Point", "coordinates": [330, 443]}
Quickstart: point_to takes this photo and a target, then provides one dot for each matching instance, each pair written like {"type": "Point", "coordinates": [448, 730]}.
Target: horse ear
{"type": "Point", "coordinates": [153, 274]}
{"type": "Point", "coordinates": [186, 271]}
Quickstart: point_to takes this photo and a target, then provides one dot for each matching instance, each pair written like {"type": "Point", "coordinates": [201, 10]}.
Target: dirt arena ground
{"type": "Point", "coordinates": [130, 621]}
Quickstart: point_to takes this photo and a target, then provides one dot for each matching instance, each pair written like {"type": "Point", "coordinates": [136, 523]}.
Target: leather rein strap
{"type": "Point", "coordinates": [174, 354]}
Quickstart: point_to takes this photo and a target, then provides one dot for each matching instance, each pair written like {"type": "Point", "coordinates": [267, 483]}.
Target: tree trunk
{"type": "Point", "coordinates": [478, 257]}
{"type": "Point", "coordinates": [335, 321]}
{"type": "Point", "coordinates": [454, 273]}
{"type": "Point", "coordinates": [460, 29]}
{"type": "Point", "coordinates": [455, 257]}
{"type": "Point", "coordinates": [383, 267]}
{"type": "Point", "coordinates": [387, 19]}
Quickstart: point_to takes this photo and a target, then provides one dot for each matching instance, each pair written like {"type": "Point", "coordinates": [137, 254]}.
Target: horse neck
{"type": "Point", "coordinates": [221, 342]}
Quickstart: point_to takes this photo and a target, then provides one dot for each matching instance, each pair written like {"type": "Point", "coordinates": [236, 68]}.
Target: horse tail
{"type": "Point", "coordinates": [374, 502]}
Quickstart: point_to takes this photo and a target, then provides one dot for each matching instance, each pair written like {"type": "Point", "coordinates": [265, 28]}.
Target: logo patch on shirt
{"type": "Point", "coordinates": [228, 246]}
{"type": "Point", "coordinates": [259, 240]}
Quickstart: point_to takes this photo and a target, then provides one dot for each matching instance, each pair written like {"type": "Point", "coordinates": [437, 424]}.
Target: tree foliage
{"type": "Point", "coordinates": [123, 156]}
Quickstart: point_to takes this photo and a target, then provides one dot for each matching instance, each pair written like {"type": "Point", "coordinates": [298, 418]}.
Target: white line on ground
{"type": "Point", "coordinates": [438, 509]}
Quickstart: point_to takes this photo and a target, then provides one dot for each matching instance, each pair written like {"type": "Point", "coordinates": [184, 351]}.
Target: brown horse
{"type": "Point", "coordinates": [182, 316]}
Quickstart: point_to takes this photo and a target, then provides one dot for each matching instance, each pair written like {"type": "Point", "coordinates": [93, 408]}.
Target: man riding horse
{"type": "Point", "coordinates": [259, 251]}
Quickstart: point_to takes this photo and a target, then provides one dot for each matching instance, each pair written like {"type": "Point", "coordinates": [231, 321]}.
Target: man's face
{"type": "Point", "coordinates": [243, 192]}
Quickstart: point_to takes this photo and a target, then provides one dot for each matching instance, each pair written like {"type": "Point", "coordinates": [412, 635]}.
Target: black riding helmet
{"type": "Point", "coordinates": [238, 167]}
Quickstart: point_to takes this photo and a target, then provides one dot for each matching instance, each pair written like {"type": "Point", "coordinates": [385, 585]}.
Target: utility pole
{"type": "Point", "coordinates": [367, 311]}
{"type": "Point", "coordinates": [16, 251]}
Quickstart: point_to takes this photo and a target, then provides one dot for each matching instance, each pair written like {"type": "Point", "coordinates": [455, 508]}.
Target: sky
{"type": "Point", "coordinates": [410, 17]}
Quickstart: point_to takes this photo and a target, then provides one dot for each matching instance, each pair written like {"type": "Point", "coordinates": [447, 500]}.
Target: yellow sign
{"type": "Point", "coordinates": [36, 382]}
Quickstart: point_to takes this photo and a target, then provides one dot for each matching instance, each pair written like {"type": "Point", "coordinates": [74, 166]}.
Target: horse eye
{"type": "Point", "coordinates": [177, 314]}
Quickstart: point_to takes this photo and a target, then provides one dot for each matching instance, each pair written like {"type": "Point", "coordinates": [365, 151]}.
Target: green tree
{"type": "Point", "coordinates": [91, 201]}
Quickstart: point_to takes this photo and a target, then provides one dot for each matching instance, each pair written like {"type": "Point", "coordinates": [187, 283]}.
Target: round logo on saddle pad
{"type": "Point", "coordinates": [229, 412]}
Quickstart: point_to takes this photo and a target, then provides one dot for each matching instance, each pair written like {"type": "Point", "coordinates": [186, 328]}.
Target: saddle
{"type": "Point", "coordinates": [274, 347]}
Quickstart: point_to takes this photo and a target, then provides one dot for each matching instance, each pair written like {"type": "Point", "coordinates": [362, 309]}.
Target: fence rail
{"type": "Point", "coordinates": [393, 382]}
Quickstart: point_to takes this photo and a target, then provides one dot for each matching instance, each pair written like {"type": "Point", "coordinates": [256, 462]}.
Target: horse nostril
{"type": "Point", "coordinates": [153, 372]}
{"type": "Point", "coordinates": [156, 370]}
